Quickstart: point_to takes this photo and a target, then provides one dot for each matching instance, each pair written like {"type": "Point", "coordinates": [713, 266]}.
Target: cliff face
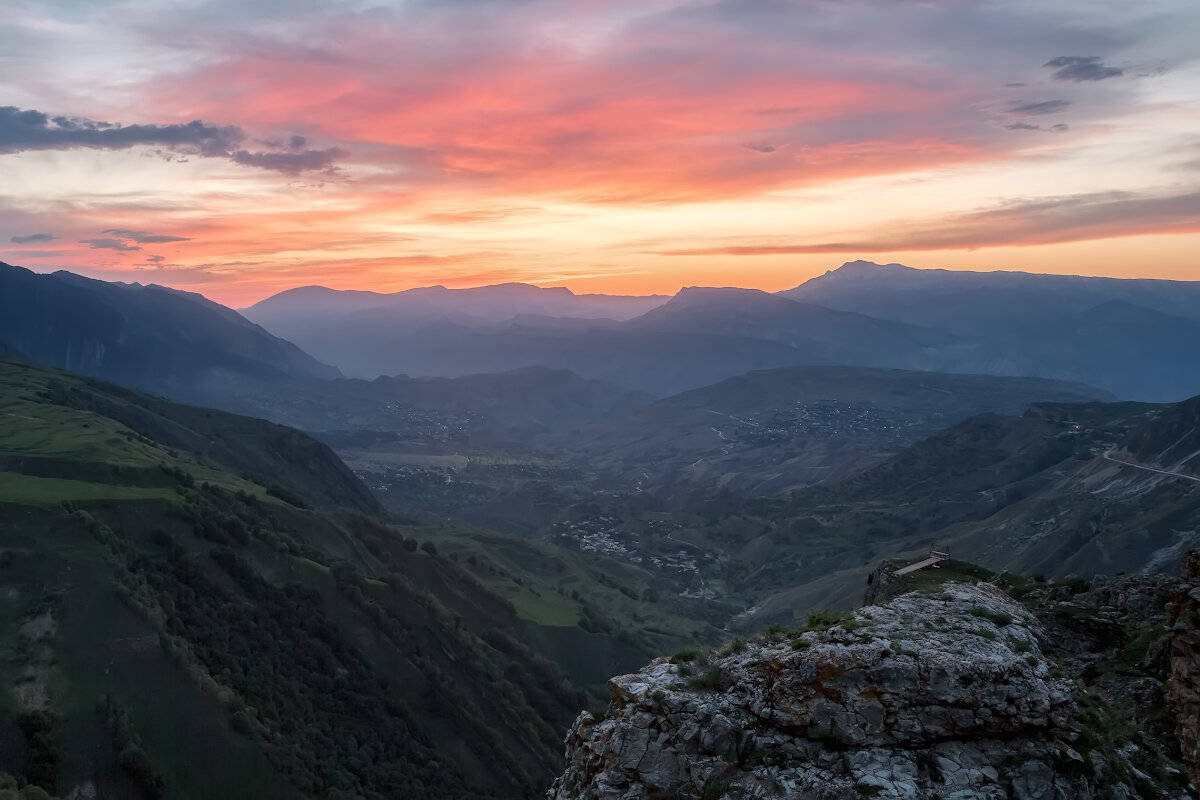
{"type": "Point", "coordinates": [1183, 685]}
{"type": "Point", "coordinates": [945, 694]}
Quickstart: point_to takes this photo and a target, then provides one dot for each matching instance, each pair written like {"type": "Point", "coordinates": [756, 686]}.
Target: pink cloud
{"type": "Point", "coordinates": [652, 113]}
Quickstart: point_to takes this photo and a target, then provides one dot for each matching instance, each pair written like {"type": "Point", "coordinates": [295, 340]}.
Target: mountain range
{"type": "Point", "coordinates": [989, 304]}
{"type": "Point", "coordinates": [486, 303]}
{"type": "Point", "coordinates": [1128, 337]}
{"type": "Point", "coordinates": [531, 448]}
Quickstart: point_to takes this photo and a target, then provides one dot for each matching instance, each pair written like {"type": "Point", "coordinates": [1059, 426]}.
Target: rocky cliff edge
{"type": "Point", "coordinates": [945, 694]}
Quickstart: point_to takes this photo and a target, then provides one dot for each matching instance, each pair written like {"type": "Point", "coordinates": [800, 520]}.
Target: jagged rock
{"type": "Point", "coordinates": [1139, 600]}
{"type": "Point", "coordinates": [932, 695]}
{"type": "Point", "coordinates": [1183, 686]}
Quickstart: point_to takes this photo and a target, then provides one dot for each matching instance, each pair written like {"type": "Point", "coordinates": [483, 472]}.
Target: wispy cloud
{"type": "Point", "coordinates": [145, 237]}
{"type": "Point", "coordinates": [293, 163]}
{"type": "Point", "coordinates": [1039, 108]}
{"type": "Point", "coordinates": [1082, 68]}
{"type": "Point", "coordinates": [1048, 220]}
{"type": "Point", "coordinates": [32, 238]}
{"type": "Point", "coordinates": [1029, 126]}
{"type": "Point", "coordinates": [120, 245]}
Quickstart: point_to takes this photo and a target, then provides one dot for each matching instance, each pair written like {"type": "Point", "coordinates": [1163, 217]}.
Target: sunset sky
{"type": "Point", "coordinates": [242, 147]}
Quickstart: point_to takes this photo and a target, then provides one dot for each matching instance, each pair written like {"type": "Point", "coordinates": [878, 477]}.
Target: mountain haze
{"type": "Point", "coordinates": [828, 336]}
{"type": "Point", "coordinates": [974, 303]}
{"type": "Point", "coordinates": [1131, 337]}
{"type": "Point", "coordinates": [771, 431]}
{"type": "Point", "coordinates": [485, 303]}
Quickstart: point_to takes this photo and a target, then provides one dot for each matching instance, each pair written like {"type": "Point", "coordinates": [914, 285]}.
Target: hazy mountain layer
{"type": "Point", "coordinates": [836, 337]}
{"type": "Point", "coordinates": [1131, 337]}
{"type": "Point", "coordinates": [697, 338]}
{"type": "Point", "coordinates": [484, 303]}
{"type": "Point", "coordinates": [991, 304]}
{"type": "Point", "coordinates": [510, 407]}
{"type": "Point", "coordinates": [776, 430]}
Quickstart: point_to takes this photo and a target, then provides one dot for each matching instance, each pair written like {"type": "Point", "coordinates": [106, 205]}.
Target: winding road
{"type": "Point", "coordinates": [1108, 457]}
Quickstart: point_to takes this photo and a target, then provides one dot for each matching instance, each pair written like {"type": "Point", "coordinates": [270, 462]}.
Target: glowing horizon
{"type": "Point", "coordinates": [606, 147]}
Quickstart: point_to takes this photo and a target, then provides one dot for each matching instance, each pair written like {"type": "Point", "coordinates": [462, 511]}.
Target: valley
{"type": "Point", "coordinates": [144, 565]}
{"type": "Point", "coordinates": [421, 541]}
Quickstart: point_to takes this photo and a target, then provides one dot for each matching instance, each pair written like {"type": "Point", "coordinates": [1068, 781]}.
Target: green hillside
{"type": "Point", "coordinates": [178, 624]}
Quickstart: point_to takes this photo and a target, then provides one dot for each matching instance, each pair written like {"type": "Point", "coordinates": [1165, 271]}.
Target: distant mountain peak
{"type": "Point", "coordinates": [693, 292]}
{"type": "Point", "coordinates": [860, 269]}
{"type": "Point", "coordinates": [863, 264]}
{"type": "Point", "coordinates": [520, 288]}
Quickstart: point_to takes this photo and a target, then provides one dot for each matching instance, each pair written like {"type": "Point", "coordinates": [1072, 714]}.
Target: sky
{"type": "Point", "coordinates": [242, 147]}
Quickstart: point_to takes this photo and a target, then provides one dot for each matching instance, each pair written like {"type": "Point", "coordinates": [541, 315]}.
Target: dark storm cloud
{"type": "Point", "coordinates": [22, 130]}
{"type": "Point", "coordinates": [1039, 108]}
{"type": "Point", "coordinates": [145, 237]}
{"type": "Point", "coordinates": [119, 245]}
{"type": "Point", "coordinates": [1082, 68]}
{"type": "Point", "coordinates": [33, 237]}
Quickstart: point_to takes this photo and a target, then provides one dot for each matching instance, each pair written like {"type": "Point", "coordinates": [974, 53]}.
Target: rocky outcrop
{"type": "Point", "coordinates": [945, 694]}
{"type": "Point", "coordinates": [1183, 685]}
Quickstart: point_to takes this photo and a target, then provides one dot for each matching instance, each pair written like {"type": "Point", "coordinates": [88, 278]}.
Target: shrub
{"type": "Point", "coordinates": [738, 645]}
{"type": "Point", "coordinates": [686, 656]}
{"type": "Point", "coordinates": [707, 679]}
{"type": "Point", "coordinates": [827, 619]}
{"type": "Point", "coordinates": [774, 633]}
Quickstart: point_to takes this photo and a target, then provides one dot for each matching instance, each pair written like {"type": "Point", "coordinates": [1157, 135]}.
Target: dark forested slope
{"type": "Point", "coordinates": [178, 628]}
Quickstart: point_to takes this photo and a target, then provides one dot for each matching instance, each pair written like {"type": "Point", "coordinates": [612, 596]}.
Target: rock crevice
{"type": "Point", "coordinates": [1183, 685]}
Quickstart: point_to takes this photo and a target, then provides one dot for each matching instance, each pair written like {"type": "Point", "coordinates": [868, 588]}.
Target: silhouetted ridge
{"type": "Point", "coordinates": [162, 340]}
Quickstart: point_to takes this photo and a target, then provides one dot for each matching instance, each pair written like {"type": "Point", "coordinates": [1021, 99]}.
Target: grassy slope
{"type": "Point", "coordinates": [183, 625]}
